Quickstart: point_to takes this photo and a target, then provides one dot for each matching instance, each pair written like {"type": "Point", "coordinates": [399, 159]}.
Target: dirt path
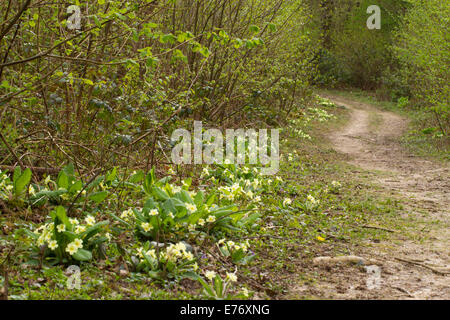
{"type": "Point", "coordinates": [370, 141]}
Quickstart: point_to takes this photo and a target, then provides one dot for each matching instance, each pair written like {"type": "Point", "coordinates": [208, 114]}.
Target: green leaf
{"type": "Point", "coordinates": [82, 255]}
{"type": "Point", "coordinates": [111, 175]}
{"type": "Point", "coordinates": [254, 29]}
{"type": "Point", "coordinates": [75, 187]}
{"type": "Point", "coordinates": [149, 181]}
{"type": "Point", "coordinates": [63, 180]}
{"type": "Point", "coordinates": [21, 182]}
{"type": "Point", "coordinates": [98, 197]}
{"type": "Point", "coordinates": [159, 194]}
{"type": "Point", "coordinates": [61, 215]}
{"type": "Point", "coordinates": [17, 174]}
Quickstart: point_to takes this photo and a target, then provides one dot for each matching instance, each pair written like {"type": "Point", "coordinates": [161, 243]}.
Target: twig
{"type": "Point", "coordinates": [11, 150]}
{"type": "Point", "coordinates": [38, 170]}
{"type": "Point", "coordinates": [404, 291]}
{"type": "Point", "coordinates": [441, 272]}
{"type": "Point", "coordinates": [377, 227]}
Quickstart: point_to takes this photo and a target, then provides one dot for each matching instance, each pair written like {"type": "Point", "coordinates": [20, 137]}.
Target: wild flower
{"type": "Point", "coordinates": [80, 229]}
{"type": "Point", "coordinates": [287, 201]}
{"type": "Point", "coordinates": [153, 212]}
{"type": "Point", "coordinates": [61, 227]}
{"type": "Point", "coordinates": [191, 207]}
{"type": "Point", "coordinates": [147, 226]}
{"type": "Point", "coordinates": [127, 214]}
{"type": "Point", "coordinates": [71, 248]}
{"type": "Point", "coordinates": [90, 220]}
{"type": "Point", "coordinates": [52, 244]}
{"type": "Point", "coordinates": [210, 275]}
{"type": "Point", "coordinates": [232, 277]}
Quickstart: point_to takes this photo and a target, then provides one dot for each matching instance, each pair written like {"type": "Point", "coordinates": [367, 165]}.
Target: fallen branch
{"type": "Point", "coordinates": [343, 259]}
{"type": "Point", "coordinates": [377, 227]}
{"type": "Point", "coordinates": [441, 272]}
{"type": "Point", "coordinates": [37, 170]}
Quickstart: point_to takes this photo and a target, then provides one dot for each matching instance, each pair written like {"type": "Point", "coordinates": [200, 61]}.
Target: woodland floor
{"type": "Point", "coordinates": [414, 258]}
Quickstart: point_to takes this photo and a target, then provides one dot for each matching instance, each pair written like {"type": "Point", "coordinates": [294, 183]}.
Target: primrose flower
{"type": "Point", "coordinates": [312, 200]}
{"type": "Point", "coordinates": [257, 199]}
{"type": "Point", "coordinates": [188, 255]}
{"type": "Point", "coordinates": [227, 161]}
{"type": "Point", "coordinates": [61, 227]}
{"type": "Point", "coordinates": [287, 201]}
{"type": "Point", "coordinates": [232, 277]}
{"type": "Point", "coordinates": [191, 227]}
{"type": "Point", "coordinates": [40, 241]}
{"type": "Point", "coordinates": [245, 292]}
{"type": "Point", "coordinates": [71, 248]}
{"type": "Point", "coordinates": [210, 275]}
{"type": "Point", "coordinates": [31, 190]}
{"type": "Point", "coordinates": [108, 236]}
{"type": "Point", "coordinates": [335, 184]}
{"type": "Point", "coordinates": [126, 214]}
{"type": "Point", "coordinates": [235, 187]}
{"type": "Point", "coordinates": [279, 179]}
{"type": "Point", "coordinates": [171, 215]}
{"type": "Point", "coordinates": [90, 220]}
{"type": "Point", "coordinates": [201, 222]}
{"type": "Point", "coordinates": [211, 219]}
{"type": "Point", "coordinates": [151, 253]}
{"type": "Point", "coordinates": [73, 221]}
{"type": "Point", "coordinates": [230, 196]}
{"type": "Point", "coordinates": [205, 172]}
{"type": "Point", "coordinates": [191, 207]}
{"type": "Point", "coordinates": [170, 171]}
{"type": "Point", "coordinates": [147, 226]}
{"type": "Point", "coordinates": [80, 229]}
{"type": "Point", "coordinates": [230, 244]}
{"type": "Point", "coordinates": [78, 243]}
{"type": "Point", "coordinates": [53, 244]}
{"type": "Point", "coordinates": [153, 212]}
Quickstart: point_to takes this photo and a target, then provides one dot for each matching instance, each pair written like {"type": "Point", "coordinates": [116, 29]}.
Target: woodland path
{"type": "Point", "coordinates": [415, 261]}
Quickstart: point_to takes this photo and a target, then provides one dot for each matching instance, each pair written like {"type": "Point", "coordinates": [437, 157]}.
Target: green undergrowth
{"type": "Point", "coordinates": [227, 233]}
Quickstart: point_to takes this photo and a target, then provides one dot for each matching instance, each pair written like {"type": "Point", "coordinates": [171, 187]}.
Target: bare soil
{"type": "Point", "coordinates": [414, 261]}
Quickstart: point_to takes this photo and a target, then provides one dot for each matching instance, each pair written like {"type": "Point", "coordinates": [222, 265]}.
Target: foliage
{"type": "Point", "coordinates": [424, 56]}
{"type": "Point", "coordinates": [111, 93]}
